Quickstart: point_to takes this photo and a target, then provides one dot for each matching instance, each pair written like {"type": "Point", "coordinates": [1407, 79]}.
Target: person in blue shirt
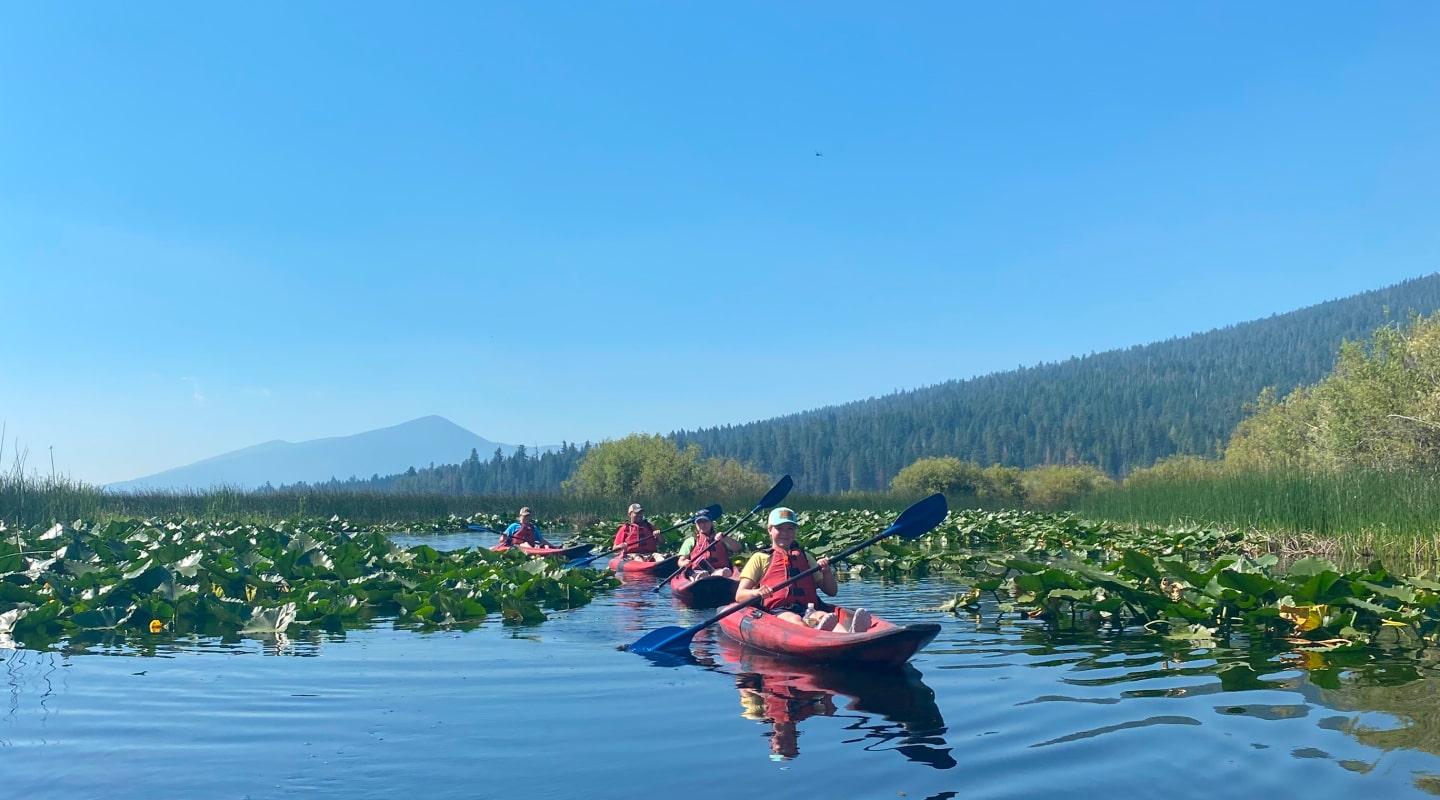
{"type": "Point", "coordinates": [524, 532]}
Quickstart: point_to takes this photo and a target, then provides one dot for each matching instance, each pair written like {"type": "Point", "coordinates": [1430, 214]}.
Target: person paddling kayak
{"type": "Point", "coordinates": [707, 552]}
{"type": "Point", "coordinates": [524, 531]}
{"type": "Point", "coordinates": [800, 603]}
{"type": "Point", "coordinates": [638, 537]}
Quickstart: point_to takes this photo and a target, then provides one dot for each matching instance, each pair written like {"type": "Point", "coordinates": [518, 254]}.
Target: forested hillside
{"type": "Point", "coordinates": [517, 473]}
{"type": "Point", "coordinates": [1119, 410]}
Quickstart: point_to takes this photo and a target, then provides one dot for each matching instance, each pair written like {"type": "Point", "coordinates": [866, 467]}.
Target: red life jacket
{"type": "Point", "coordinates": [526, 535]}
{"type": "Point", "coordinates": [783, 567]}
{"type": "Point", "coordinates": [637, 537]}
{"type": "Point", "coordinates": [715, 553]}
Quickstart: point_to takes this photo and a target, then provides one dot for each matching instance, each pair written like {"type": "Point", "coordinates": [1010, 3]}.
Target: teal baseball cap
{"type": "Point", "coordinates": [782, 515]}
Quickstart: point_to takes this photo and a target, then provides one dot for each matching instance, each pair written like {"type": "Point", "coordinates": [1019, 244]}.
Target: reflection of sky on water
{"type": "Point", "coordinates": [987, 711]}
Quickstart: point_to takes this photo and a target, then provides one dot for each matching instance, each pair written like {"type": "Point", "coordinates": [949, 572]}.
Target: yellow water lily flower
{"type": "Point", "coordinates": [156, 626]}
{"type": "Point", "coordinates": [1304, 618]}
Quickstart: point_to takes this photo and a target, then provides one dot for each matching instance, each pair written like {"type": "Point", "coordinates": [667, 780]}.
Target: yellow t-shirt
{"type": "Point", "coordinates": [759, 562]}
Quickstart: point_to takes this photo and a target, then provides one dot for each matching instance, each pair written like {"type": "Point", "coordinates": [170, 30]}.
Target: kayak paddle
{"type": "Point", "coordinates": [913, 522]}
{"type": "Point", "coordinates": [711, 511]}
{"type": "Point", "coordinates": [771, 498]}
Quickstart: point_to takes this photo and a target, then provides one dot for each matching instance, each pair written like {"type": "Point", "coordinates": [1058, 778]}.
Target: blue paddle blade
{"type": "Point", "coordinates": [481, 528]}
{"type": "Point", "coordinates": [668, 638]}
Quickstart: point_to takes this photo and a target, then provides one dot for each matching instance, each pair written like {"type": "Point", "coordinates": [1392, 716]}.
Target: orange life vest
{"type": "Point", "coordinates": [526, 535]}
{"type": "Point", "coordinates": [715, 553]}
{"type": "Point", "coordinates": [784, 566]}
{"type": "Point", "coordinates": [637, 537]}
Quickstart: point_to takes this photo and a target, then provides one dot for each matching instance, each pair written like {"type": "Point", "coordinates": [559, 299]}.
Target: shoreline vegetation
{"type": "Point", "coordinates": [1286, 533]}
{"type": "Point", "coordinates": [1347, 515]}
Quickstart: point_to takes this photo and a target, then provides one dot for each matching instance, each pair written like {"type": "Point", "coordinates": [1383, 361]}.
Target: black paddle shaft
{"type": "Point", "coordinates": [713, 511]}
{"type": "Point", "coordinates": [772, 497]}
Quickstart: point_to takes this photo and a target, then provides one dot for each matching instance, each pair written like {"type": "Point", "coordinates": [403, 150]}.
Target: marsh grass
{"type": "Point", "coordinates": [1348, 516]}
{"type": "Point", "coordinates": [32, 498]}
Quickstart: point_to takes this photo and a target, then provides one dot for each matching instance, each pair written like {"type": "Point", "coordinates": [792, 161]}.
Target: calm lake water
{"type": "Point", "coordinates": [557, 711]}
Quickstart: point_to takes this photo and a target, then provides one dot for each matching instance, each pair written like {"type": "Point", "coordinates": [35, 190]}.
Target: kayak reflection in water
{"type": "Point", "coordinates": [782, 706]}
{"type": "Point", "coordinates": [891, 706]}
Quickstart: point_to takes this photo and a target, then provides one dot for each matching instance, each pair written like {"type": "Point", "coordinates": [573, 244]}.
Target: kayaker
{"type": "Point", "coordinates": [638, 537]}
{"type": "Point", "coordinates": [783, 560]}
{"type": "Point", "coordinates": [707, 552]}
{"type": "Point", "coordinates": [524, 531]}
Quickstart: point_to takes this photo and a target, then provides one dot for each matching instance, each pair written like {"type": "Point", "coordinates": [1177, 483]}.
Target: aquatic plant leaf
{"type": "Point", "coordinates": [1311, 566]}
{"type": "Point", "coordinates": [1141, 564]}
{"type": "Point", "coordinates": [1404, 594]}
{"type": "Point", "coordinates": [270, 620]}
{"type": "Point", "coordinates": [1325, 586]}
{"type": "Point", "coordinates": [1253, 584]}
{"type": "Point", "coordinates": [1378, 610]}
{"type": "Point", "coordinates": [101, 618]}
{"type": "Point", "coordinates": [948, 606]}
{"type": "Point", "coordinates": [187, 566]}
{"type": "Point", "coordinates": [9, 618]}
{"type": "Point", "coordinates": [1423, 583]}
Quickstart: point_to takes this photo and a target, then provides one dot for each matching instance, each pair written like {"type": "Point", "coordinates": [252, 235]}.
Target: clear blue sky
{"type": "Point", "coordinates": [222, 224]}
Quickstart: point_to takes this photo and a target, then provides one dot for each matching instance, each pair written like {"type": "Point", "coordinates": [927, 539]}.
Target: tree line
{"type": "Point", "coordinates": [1119, 410]}
{"type": "Point", "coordinates": [1115, 412]}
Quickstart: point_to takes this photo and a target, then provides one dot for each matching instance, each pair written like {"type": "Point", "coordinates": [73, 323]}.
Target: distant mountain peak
{"type": "Point", "coordinates": [416, 443]}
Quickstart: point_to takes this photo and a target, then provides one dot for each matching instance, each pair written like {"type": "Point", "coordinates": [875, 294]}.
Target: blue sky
{"type": "Point", "coordinates": [226, 224]}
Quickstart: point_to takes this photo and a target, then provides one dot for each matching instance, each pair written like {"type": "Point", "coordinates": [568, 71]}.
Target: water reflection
{"type": "Point", "coordinates": [36, 671]}
{"type": "Point", "coordinates": [890, 709]}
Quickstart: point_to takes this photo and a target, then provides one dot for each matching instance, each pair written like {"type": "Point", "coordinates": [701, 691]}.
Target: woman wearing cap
{"type": "Point", "coordinates": [706, 551]}
{"type": "Point", "coordinates": [638, 537]}
{"type": "Point", "coordinates": [783, 560]}
{"type": "Point", "coordinates": [524, 532]}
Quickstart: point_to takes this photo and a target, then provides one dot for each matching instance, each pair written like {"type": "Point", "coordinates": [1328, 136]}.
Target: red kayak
{"type": "Point", "coordinates": [707, 592]}
{"type": "Point", "coordinates": [648, 568]}
{"type": "Point", "coordinates": [573, 551]}
{"type": "Point", "coordinates": [883, 645]}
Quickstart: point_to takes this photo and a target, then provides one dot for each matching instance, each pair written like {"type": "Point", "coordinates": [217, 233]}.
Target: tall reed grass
{"type": "Point", "coordinates": [1351, 516]}
{"type": "Point", "coordinates": [1318, 503]}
